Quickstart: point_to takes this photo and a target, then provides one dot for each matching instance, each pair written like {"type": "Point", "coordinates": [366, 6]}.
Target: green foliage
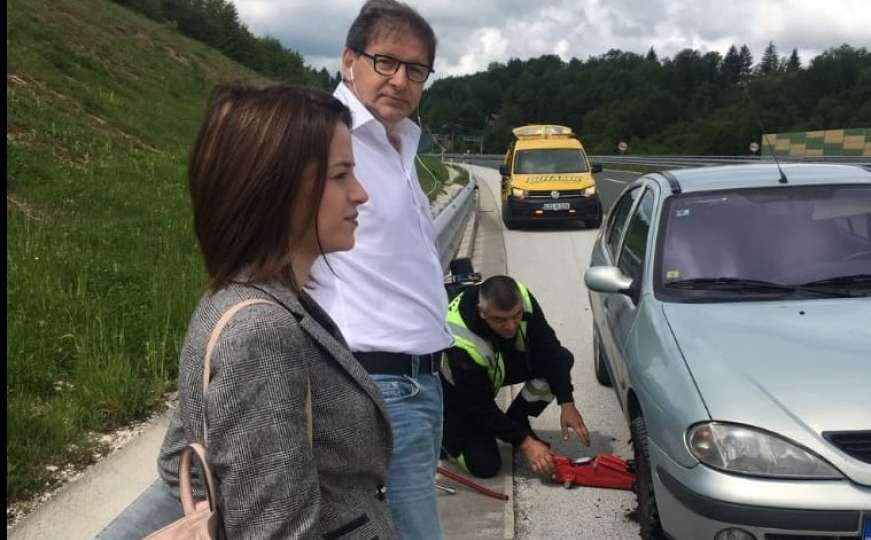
{"type": "Point", "coordinates": [102, 269]}
{"type": "Point", "coordinates": [692, 103]}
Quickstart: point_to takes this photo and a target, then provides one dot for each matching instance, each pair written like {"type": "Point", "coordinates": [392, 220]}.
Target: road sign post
{"type": "Point", "coordinates": [754, 147]}
{"type": "Point", "coordinates": [622, 146]}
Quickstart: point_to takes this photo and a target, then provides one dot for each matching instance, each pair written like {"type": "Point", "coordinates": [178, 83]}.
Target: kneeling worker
{"type": "Point", "coordinates": [502, 338]}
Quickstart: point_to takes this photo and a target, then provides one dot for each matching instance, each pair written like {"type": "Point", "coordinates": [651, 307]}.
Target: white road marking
{"type": "Point", "coordinates": [616, 181]}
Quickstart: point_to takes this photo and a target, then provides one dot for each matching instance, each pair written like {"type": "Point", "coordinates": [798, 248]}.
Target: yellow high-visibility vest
{"type": "Point", "coordinates": [479, 349]}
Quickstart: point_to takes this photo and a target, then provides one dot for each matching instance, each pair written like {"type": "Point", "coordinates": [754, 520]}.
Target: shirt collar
{"type": "Point", "coordinates": [360, 116]}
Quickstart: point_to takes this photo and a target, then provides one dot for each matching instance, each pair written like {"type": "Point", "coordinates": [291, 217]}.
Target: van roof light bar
{"type": "Point", "coordinates": [541, 131]}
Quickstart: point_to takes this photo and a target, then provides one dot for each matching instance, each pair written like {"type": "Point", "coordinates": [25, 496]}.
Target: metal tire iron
{"type": "Point", "coordinates": [468, 483]}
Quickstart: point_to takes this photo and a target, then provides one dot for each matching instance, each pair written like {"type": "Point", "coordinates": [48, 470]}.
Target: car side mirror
{"type": "Point", "coordinates": [503, 170]}
{"type": "Point", "coordinates": [596, 167]}
{"type": "Point", "coordinates": [608, 279]}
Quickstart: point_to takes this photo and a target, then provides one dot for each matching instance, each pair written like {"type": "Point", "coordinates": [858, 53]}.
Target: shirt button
{"type": "Point", "coordinates": [381, 493]}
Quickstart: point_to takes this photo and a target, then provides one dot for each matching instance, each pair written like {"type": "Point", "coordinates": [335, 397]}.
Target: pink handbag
{"type": "Point", "coordinates": [201, 520]}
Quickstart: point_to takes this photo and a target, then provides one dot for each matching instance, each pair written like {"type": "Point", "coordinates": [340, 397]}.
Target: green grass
{"type": "Point", "coordinates": [433, 176]}
{"type": "Point", "coordinates": [462, 177]}
{"type": "Point", "coordinates": [102, 269]}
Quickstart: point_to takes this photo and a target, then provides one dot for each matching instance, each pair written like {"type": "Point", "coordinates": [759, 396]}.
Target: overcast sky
{"type": "Point", "coordinates": [474, 33]}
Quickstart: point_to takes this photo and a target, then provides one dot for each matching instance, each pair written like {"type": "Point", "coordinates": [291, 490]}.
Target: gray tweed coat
{"type": "Point", "coordinates": [272, 484]}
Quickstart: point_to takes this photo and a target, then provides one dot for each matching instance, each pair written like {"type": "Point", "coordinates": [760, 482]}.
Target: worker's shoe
{"type": "Point", "coordinates": [459, 461]}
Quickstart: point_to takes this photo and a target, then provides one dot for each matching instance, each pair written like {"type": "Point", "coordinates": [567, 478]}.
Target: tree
{"type": "Point", "coordinates": [794, 63]}
{"type": "Point", "coordinates": [651, 56]}
{"type": "Point", "coordinates": [681, 105]}
{"type": "Point", "coordinates": [770, 63]}
{"type": "Point", "coordinates": [731, 67]}
{"type": "Point", "coordinates": [324, 79]}
{"type": "Point", "coordinates": [745, 64]}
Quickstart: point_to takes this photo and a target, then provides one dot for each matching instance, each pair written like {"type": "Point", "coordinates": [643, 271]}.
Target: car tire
{"type": "Point", "coordinates": [506, 217]}
{"type": "Point", "coordinates": [648, 515]}
{"type": "Point", "coordinates": [602, 374]}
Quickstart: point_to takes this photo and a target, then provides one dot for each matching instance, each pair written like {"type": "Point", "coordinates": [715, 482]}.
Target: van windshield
{"type": "Point", "coordinates": [550, 161]}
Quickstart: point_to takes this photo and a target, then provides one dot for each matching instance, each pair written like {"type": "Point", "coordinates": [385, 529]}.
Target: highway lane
{"type": "Point", "coordinates": [552, 262]}
{"type": "Point", "coordinates": [610, 184]}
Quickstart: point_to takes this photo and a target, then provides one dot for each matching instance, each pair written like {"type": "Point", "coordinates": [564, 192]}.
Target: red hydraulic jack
{"type": "Point", "coordinates": [603, 470]}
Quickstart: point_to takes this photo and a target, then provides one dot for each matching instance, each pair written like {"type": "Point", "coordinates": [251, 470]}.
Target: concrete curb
{"type": "Point", "coordinates": [82, 508]}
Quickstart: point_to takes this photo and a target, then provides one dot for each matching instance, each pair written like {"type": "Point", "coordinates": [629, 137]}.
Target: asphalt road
{"type": "Point", "coordinates": [611, 183]}
{"type": "Point", "coordinates": [552, 261]}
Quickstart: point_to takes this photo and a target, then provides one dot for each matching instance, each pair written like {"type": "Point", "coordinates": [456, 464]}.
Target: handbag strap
{"type": "Point", "coordinates": [185, 492]}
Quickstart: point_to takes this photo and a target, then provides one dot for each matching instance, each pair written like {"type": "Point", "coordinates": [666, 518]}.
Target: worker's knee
{"type": "Point", "coordinates": [567, 357]}
{"type": "Point", "coordinates": [484, 467]}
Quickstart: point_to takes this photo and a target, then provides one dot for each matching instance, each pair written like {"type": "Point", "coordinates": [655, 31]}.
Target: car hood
{"type": "Point", "coordinates": [795, 368]}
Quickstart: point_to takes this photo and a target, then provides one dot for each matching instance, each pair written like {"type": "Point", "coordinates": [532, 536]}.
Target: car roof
{"type": "Point", "coordinates": [761, 175]}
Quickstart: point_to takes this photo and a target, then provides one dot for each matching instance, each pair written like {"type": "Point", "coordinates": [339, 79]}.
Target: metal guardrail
{"type": "Point", "coordinates": [450, 221]}
{"type": "Point", "coordinates": [677, 162]}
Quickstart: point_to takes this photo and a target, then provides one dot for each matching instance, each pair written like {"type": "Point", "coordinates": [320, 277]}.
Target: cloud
{"type": "Point", "coordinates": [472, 34]}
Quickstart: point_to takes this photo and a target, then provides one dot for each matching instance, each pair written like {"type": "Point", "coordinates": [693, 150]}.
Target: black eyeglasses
{"type": "Point", "coordinates": [387, 66]}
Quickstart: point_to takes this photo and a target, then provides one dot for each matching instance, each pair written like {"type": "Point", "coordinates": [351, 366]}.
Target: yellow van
{"type": "Point", "coordinates": [548, 177]}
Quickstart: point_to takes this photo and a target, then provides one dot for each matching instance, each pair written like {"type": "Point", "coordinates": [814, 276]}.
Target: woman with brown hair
{"type": "Point", "coordinates": [297, 435]}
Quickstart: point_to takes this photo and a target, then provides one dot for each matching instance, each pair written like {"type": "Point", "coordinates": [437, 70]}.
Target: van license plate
{"type": "Point", "coordinates": [556, 206]}
{"type": "Point", "coordinates": [866, 533]}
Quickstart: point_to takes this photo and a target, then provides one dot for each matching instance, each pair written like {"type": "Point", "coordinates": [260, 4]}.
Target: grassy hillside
{"type": "Point", "coordinates": [101, 267]}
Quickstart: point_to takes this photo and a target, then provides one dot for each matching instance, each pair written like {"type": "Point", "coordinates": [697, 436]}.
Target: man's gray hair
{"type": "Point", "coordinates": [499, 292]}
{"type": "Point", "coordinates": [378, 18]}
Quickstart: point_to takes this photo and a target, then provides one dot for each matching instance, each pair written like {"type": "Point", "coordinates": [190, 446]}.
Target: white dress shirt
{"type": "Point", "coordinates": [387, 294]}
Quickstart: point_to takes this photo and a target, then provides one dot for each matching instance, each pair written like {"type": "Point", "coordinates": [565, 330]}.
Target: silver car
{"type": "Point", "coordinates": [732, 314]}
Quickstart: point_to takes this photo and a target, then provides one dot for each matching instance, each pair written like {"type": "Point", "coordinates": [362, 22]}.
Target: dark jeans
{"type": "Point", "coordinates": [151, 511]}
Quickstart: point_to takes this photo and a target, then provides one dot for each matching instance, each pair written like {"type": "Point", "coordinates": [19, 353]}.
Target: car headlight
{"type": "Point", "coordinates": [746, 450]}
{"type": "Point", "coordinates": [519, 193]}
{"type": "Point", "coordinates": [590, 191]}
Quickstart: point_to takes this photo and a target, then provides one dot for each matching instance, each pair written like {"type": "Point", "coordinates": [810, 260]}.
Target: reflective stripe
{"type": "Point", "coordinates": [479, 349]}
{"type": "Point", "coordinates": [537, 390]}
{"type": "Point", "coordinates": [446, 370]}
{"type": "Point", "coordinates": [461, 461]}
{"type": "Point", "coordinates": [520, 340]}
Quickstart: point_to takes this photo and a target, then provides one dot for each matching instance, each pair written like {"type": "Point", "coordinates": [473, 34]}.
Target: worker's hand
{"type": "Point", "coordinates": [570, 417]}
{"type": "Point", "coordinates": [538, 456]}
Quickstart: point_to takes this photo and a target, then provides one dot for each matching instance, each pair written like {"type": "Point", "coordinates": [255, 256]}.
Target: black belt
{"type": "Point", "coordinates": [391, 363]}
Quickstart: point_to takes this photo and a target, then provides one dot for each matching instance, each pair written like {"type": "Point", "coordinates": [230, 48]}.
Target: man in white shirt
{"type": "Point", "coordinates": [387, 294]}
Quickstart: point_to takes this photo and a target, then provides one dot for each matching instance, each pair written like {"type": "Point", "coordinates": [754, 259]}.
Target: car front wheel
{"type": "Point", "coordinates": [648, 515]}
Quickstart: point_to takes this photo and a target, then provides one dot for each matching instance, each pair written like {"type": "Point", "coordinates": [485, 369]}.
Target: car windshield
{"type": "Point", "coordinates": [811, 238]}
{"type": "Point", "coordinates": [550, 161]}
